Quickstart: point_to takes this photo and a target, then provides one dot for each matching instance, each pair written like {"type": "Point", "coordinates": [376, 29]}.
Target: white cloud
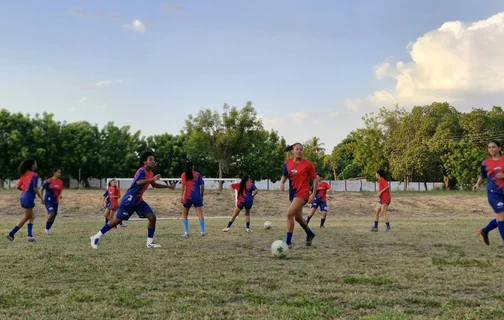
{"type": "Point", "coordinates": [106, 83]}
{"type": "Point", "coordinates": [136, 26]}
{"type": "Point", "coordinates": [299, 116]}
{"type": "Point", "coordinates": [455, 61]}
{"type": "Point", "coordinates": [82, 100]}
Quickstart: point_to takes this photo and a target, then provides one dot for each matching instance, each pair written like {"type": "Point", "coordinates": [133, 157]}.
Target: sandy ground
{"type": "Point", "coordinates": [86, 205]}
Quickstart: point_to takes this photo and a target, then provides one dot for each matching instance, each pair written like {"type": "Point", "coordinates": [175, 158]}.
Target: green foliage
{"type": "Point", "coordinates": [463, 161]}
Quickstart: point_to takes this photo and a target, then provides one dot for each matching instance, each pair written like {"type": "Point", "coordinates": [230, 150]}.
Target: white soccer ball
{"type": "Point", "coordinates": [279, 249]}
{"type": "Point", "coordinates": [267, 225]}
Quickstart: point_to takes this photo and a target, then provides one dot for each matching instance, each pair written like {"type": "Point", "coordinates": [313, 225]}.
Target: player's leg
{"type": "Point", "coordinates": [383, 209]}
{"type": "Point", "coordinates": [301, 221]}
{"type": "Point", "coordinates": [31, 238]}
{"type": "Point", "coordinates": [314, 207]}
{"type": "Point", "coordinates": [185, 221]}
{"type": "Point", "coordinates": [28, 212]}
{"type": "Point", "coordinates": [52, 211]}
{"type": "Point", "coordinates": [376, 217]}
{"type": "Point", "coordinates": [106, 215]}
{"type": "Point", "coordinates": [199, 212]}
{"type": "Point", "coordinates": [494, 202]}
{"type": "Point", "coordinates": [236, 212]}
{"type": "Point", "coordinates": [247, 218]}
{"type": "Point", "coordinates": [123, 223]}
{"type": "Point", "coordinates": [124, 213]}
{"type": "Point", "coordinates": [323, 211]}
{"type": "Point", "coordinates": [144, 210]}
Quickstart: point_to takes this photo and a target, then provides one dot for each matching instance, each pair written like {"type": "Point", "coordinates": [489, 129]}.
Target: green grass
{"type": "Point", "coordinates": [427, 269]}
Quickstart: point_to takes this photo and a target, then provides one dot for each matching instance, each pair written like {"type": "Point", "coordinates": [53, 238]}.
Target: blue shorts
{"type": "Point", "coordinates": [27, 202]}
{"type": "Point", "coordinates": [141, 209]}
{"type": "Point", "coordinates": [51, 208]}
{"type": "Point", "coordinates": [322, 205]}
{"type": "Point", "coordinates": [496, 201]}
{"type": "Point", "coordinates": [196, 205]}
{"type": "Point", "coordinates": [381, 202]}
{"type": "Point", "coordinates": [246, 205]}
{"type": "Point", "coordinates": [109, 207]}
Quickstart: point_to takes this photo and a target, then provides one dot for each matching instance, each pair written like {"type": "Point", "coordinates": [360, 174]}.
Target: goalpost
{"type": "Point", "coordinates": [210, 184]}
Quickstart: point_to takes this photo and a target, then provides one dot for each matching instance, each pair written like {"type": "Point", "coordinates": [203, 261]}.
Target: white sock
{"type": "Point", "coordinates": [99, 234]}
{"type": "Point", "coordinates": [150, 240]}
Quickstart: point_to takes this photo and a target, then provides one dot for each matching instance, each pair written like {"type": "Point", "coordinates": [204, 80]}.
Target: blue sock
{"type": "Point", "coordinates": [308, 219]}
{"type": "Point", "coordinates": [105, 228]}
{"type": "Point", "coordinates": [288, 239]}
{"type": "Point", "coordinates": [247, 224]}
{"type": "Point", "coordinates": [150, 232]}
{"type": "Point", "coordinates": [13, 232]}
{"type": "Point", "coordinates": [106, 221]}
{"type": "Point", "coordinates": [376, 225]}
{"type": "Point", "coordinates": [501, 229]}
{"type": "Point", "coordinates": [491, 225]}
{"type": "Point", "coordinates": [309, 233]}
{"type": "Point", "coordinates": [30, 229]}
{"type": "Point", "coordinates": [186, 226]}
{"type": "Point", "coordinates": [202, 226]}
{"type": "Point", "coordinates": [230, 223]}
{"type": "Point", "coordinates": [388, 225]}
{"type": "Point", "coordinates": [322, 221]}
{"type": "Point", "coordinates": [48, 225]}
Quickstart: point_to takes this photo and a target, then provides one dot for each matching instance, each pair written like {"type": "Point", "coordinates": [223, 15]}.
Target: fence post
{"type": "Point", "coordinates": [345, 186]}
{"type": "Point", "coordinates": [267, 184]}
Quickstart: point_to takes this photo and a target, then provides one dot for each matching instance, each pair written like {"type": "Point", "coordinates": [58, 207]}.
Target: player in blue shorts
{"type": "Point", "coordinates": [132, 201]}
{"type": "Point", "coordinates": [28, 185]}
{"type": "Point", "coordinates": [53, 188]}
{"type": "Point", "coordinates": [193, 189]}
{"type": "Point", "coordinates": [246, 194]}
{"type": "Point", "coordinates": [320, 201]}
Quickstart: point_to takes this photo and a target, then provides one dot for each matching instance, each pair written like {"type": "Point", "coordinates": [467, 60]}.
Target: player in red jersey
{"type": "Point", "coordinates": [192, 192]}
{"type": "Point", "coordinates": [28, 185]}
{"type": "Point", "coordinates": [383, 202]}
{"type": "Point", "coordinates": [111, 202]}
{"type": "Point", "coordinates": [320, 201]}
{"type": "Point", "coordinates": [493, 170]}
{"type": "Point", "coordinates": [246, 194]}
{"type": "Point", "coordinates": [54, 188]}
{"type": "Point", "coordinates": [299, 171]}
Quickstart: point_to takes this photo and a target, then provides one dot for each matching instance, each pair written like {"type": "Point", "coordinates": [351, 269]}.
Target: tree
{"type": "Point", "coordinates": [221, 136]}
{"type": "Point", "coordinates": [463, 161]}
{"type": "Point", "coordinates": [315, 145]}
{"type": "Point", "coordinates": [170, 154]}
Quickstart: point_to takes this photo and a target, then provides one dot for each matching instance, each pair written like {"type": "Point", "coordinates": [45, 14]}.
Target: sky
{"type": "Point", "coordinates": [311, 68]}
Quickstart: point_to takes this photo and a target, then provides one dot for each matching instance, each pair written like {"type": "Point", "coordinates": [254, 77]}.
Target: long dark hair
{"type": "Point", "coordinates": [110, 182]}
{"type": "Point", "coordinates": [189, 170]}
{"type": "Point", "coordinates": [497, 143]}
{"type": "Point", "coordinates": [381, 173]}
{"type": "Point", "coordinates": [243, 184]}
{"type": "Point", "coordinates": [26, 165]}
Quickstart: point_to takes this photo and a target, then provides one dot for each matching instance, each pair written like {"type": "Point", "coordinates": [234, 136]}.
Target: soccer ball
{"type": "Point", "coordinates": [279, 249]}
{"type": "Point", "coordinates": [267, 225]}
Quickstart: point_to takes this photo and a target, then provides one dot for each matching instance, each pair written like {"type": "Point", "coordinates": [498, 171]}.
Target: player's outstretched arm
{"type": "Point", "coordinates": [151, 180]}
{"type": "Point", "coordinates": [163, 186]}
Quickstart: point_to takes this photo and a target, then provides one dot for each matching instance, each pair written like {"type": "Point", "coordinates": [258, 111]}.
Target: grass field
{"type": "Point", "coordinates": [424, 269]}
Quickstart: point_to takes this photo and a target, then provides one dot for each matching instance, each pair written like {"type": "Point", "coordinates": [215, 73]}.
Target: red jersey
{"type": "Point", "coordinates": [385, 196]}
{"type": "Point", "coordinates": [192, 192]}
{"type": "Point", "coordinates": [322, 188]}
{"type": "Point", "coordinates": [53, 190]}
{"type": "Point", "coordinates": [28, 182]}
{"type": "Point", "coordinates": [114, 192]}
{"type": "Point", "coordinates": [299, 174]}
{"type": "Point", "coordinates": [246, 196]}
{"type": "Point", "coordinates": [489, 169]}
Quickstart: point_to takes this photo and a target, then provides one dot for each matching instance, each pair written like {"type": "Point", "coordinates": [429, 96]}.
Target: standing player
{"type": "Point", "coordinates": [384, 201]}
{"type": "Point", "coordinates": [133, 202]}
{"type": "Point", "coordinates": [299, 171]}
{"type": "Point", "coordinates": [111, 201]}
{"type": "Point", "coordinates": [193, 189]}
{"type": "Point", "coordinates": [320, 201]}
{"type": "Point", "coordinates": [246, 194]}
{"type": "Point", "coordinates": [492, 169]}
{"type": "Point", "coordinates": [53, 188]}
{"type": "Point", "coordinates": [28, 185]}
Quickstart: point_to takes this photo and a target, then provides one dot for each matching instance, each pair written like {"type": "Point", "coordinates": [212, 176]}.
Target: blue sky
{"type": "Point", "coordinates": [311, 68]}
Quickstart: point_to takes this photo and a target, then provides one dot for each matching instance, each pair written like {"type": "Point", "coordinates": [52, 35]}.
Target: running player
{"type": "Point", "coordinates": [320, 201]}
{"type": "Point", "coordinates": [192, 191]}
{"type": "Point", "coordinates": [111, 201]}
{"type": "Point", "coordinates": [53, 188]}
{"type": "Point", "coordinates": [246, 194]}
{"type": "Point", "coordinates": [133, 202]}
{"type": "Point", "coordinates": [299, 171]}
{"type": "Point", "coordinates": [492, 169]}
{"type": "Point", "coordinates": [384, 201]}
{"type": "Point", "coordinates": [28, 185]}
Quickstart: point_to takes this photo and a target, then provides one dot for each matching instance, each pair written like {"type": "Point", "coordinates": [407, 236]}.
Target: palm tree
{"type": "Point", "coordinates": [316, 146]}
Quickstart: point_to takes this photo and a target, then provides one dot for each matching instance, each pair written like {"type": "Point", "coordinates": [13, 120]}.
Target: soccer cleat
{"type": "Point", "coordinates": [94, 242]}
{"type": "Point", "coordinates": [32, 239]}
{"type": "Point", "coordinates": [202, 234]}
{"type": "Point", "coordinates": [388, 229]}
{"type": "Point", "coordinates": [123, 225]}
{"type": "Point", "coordinates": [152, 245]}
{"type": "Point", "coordinates": [185, 235]}
{"type": "Point", "coordinates": [289, 245]}
{"type": "Point", "coordinates": [309, 239]}
{"type": "Point", "coordinates": [484, 236]}
{"type": "Point", "coordinates": [225, 230]}
{"type": "Point", "coordinates": [249, 231]}
{"type": "Point", "coordinates": [373, 229]}
{"type": "Point", "coordinates": [9, 237]}
{"type": "Point", "coordinates": [322, 227]}
{"type": "Point", "coordinates": [48, 232]}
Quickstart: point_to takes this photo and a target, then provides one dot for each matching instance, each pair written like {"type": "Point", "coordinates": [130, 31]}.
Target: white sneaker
{"type": "Point", "coordinates": [225, 229]}
{"type": "Point", "coordinates": [249, 231]}
{"type": "Point", "coordinates": [32, 239]}
{"type": "Point", "coordinates": [123, 225]}
{"type": "Point", "coordinates": [48, 232]}
{"type": "Point", "coordinates": [202, 234]}
{"type": "Point", "coordinates": [152, 245]}
{"type": "Point", "coordinates": [94, 242]}
{"type": "Point", "coordinates": [185, 235]}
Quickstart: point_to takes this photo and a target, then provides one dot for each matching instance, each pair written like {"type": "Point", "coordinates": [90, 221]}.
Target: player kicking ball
{"type": "Point", "coordinates": [133, 202]}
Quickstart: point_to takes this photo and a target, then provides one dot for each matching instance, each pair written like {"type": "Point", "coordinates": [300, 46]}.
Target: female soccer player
{"type": "Point", "coordinates": [54, 188]}
{"type": "Point", "coordinates": [111, 201]}
{"type": "Point", "coordinates": [384, 201]}
{"type": "Point", "coordinates": [246, 194]}
{"type": "Point", "coordinates": [193, 189]}
{"type": "Point", "coordinates": [492, 169]}
{"type": "Point", "coordinates": [320, 201]}
{"type": "Point", "coordinates": [299, 171]}
{"type": "Point", "coordinates": [28, 185]}
{"type": "Point", "coordinates": [133, 202]}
